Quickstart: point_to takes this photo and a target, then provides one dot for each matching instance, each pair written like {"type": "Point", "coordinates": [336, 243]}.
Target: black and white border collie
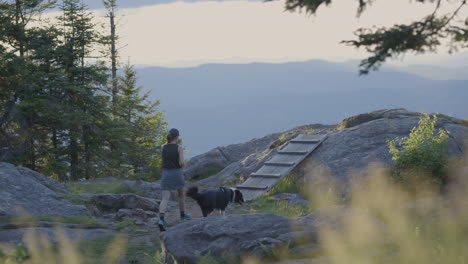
{"type": "Point", "coordinates": [215, 199]}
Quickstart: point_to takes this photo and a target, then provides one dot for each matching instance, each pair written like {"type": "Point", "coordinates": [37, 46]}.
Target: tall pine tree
{"type": "Point", "coordinates": [19, 80]}
{"type": "Point", "coordinates": [84, 106]}
{"type": "Point", "coordinates": [139, 127]}
{"type": "Point", "coordinates": [145, 127]}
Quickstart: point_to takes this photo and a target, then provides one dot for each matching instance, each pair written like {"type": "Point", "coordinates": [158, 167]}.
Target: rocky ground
{"type": "Point", "coordinates": [359, 141]}
{"type": "Point", "coordinates": [32, 205]}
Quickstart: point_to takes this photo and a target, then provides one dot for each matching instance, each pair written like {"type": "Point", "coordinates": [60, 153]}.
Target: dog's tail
{"type": "Point", "coordinates": [193, 192]}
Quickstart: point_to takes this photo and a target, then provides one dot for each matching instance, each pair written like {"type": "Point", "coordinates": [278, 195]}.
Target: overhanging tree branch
{"type": "Point", "coordinates": [421, 36]}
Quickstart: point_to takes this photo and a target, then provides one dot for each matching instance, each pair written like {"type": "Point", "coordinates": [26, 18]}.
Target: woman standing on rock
{"type": "Point", "coordinates": [172, 177]}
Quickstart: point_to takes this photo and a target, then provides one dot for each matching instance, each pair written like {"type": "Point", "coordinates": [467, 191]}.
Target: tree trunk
{"type": "Point", "coordinates": [87, 151]}
{"type": "Point", "coordinates": [32, 151]}
{"type": "Point", "coordinates": [73, 156]}
{"type": "Point", "coordinates": [115, 88]}
{"type": "Point", "coordinates": [20, 27]}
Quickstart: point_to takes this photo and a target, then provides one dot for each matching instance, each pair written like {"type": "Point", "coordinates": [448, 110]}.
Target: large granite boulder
{"type": "Point", "coordinates": [258, 234]}
{"type": "Point", "coordinates": [212, 161]}
{"type": "Point", "coordinates": [245, 154]}
{"type": "Point", "coordinates": [25, 192]}
{"type": "Point", "coordinates": [356, 120]}
{"type": "Point", "coordinates": [353, 149]}
{"type": "Point", "coordinates": [227, 236]}
{"type": "Point", "coordinates": [46, 181]}
{"type": "Point", "coordinates": [113, 202]}
{"type": "Point", "coordinates": [248, 157]}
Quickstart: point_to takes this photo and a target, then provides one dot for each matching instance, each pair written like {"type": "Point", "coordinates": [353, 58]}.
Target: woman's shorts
{"type": "Point", "coordinates": [172, 179]}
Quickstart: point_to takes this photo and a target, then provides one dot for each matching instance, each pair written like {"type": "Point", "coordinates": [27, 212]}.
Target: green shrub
{"type": "Point", "coordinates": [20, 255]}
{"type": "Point", "coordinates": [422, 153]}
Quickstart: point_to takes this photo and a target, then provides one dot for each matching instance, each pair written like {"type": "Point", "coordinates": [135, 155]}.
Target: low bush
{"type": "Point", "coordinates": [423, 155]}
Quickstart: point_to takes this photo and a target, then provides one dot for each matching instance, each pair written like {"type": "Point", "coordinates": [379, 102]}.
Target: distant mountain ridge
{"type": "Point", "coordinates": [437, 72]}
{"type": "Point", "coordinates": [219, 104]}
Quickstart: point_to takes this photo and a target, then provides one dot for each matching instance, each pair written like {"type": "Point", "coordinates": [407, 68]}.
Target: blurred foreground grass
{"type": "Point", "coordinates": [394, 223]}
{"type": "Point", "coordinates": [102, 250]}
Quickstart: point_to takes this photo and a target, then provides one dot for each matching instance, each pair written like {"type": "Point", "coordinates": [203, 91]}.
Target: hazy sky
{"type": "Point", "coordinates": [176, 33]}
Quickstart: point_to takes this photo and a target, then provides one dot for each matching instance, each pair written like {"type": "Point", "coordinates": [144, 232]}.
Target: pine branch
{"type": "Point", "coordinates": [383, 43]}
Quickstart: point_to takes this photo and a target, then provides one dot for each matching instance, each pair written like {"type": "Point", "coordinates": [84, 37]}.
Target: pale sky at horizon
{"type": "Point", "coordinates": [181, 34]}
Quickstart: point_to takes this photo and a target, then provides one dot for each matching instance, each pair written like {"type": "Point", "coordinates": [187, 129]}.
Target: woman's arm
{"type": "Point", "coordinates": [181, 157]}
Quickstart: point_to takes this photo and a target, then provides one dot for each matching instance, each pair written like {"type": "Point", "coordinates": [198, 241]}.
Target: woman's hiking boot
{"type": "Point", "coordinates": [186, 217]}
{"type": "Point", "coordinates": [162, 225]}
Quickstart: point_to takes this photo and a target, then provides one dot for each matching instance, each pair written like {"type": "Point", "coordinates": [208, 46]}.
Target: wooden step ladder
{"type": "Point", "coordinates": [280, 165]}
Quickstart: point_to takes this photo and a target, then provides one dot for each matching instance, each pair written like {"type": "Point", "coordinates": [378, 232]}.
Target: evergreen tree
{"type": "Point", "coordinates": [84, 106]}
{"type": "Point", "coordinates": [144, 127]}
{"type": "Point", "coordinates": [138, 127]}
{"type": "Point", "coordinates": [18, 80]}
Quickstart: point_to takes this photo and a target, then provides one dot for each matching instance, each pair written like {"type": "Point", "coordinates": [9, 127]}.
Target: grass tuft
{"type": "Point", "coordinates": [68, 220]}
{"type": "Point", "coordinates": [266, 203]}
{"type": "Point", "coordinates": [101, 187]}
{"type": "Point", "coordinates": [127, 223]}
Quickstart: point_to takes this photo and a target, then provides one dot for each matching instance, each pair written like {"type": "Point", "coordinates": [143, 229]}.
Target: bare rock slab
{"type": "Point", "coordinates": [237, 236]}
{"type": "Point", "coordinates": [364, 140]}
{"type": "Point", "coordinates": [228, 236]}
{"type": "Point", "coordinates": [25, 192]}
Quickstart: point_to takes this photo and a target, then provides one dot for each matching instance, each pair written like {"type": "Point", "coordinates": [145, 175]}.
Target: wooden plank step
{"type": "Point", "coordinates": [273, 163]}
{"type": "Point", "coordinates": [293, 152]}
{"type": "Point", "coordinates": [305, 141]}
{"type": "Point", "coordinates": [260, 188]}
{"type": "Point", "coordinates": [266, 175]}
